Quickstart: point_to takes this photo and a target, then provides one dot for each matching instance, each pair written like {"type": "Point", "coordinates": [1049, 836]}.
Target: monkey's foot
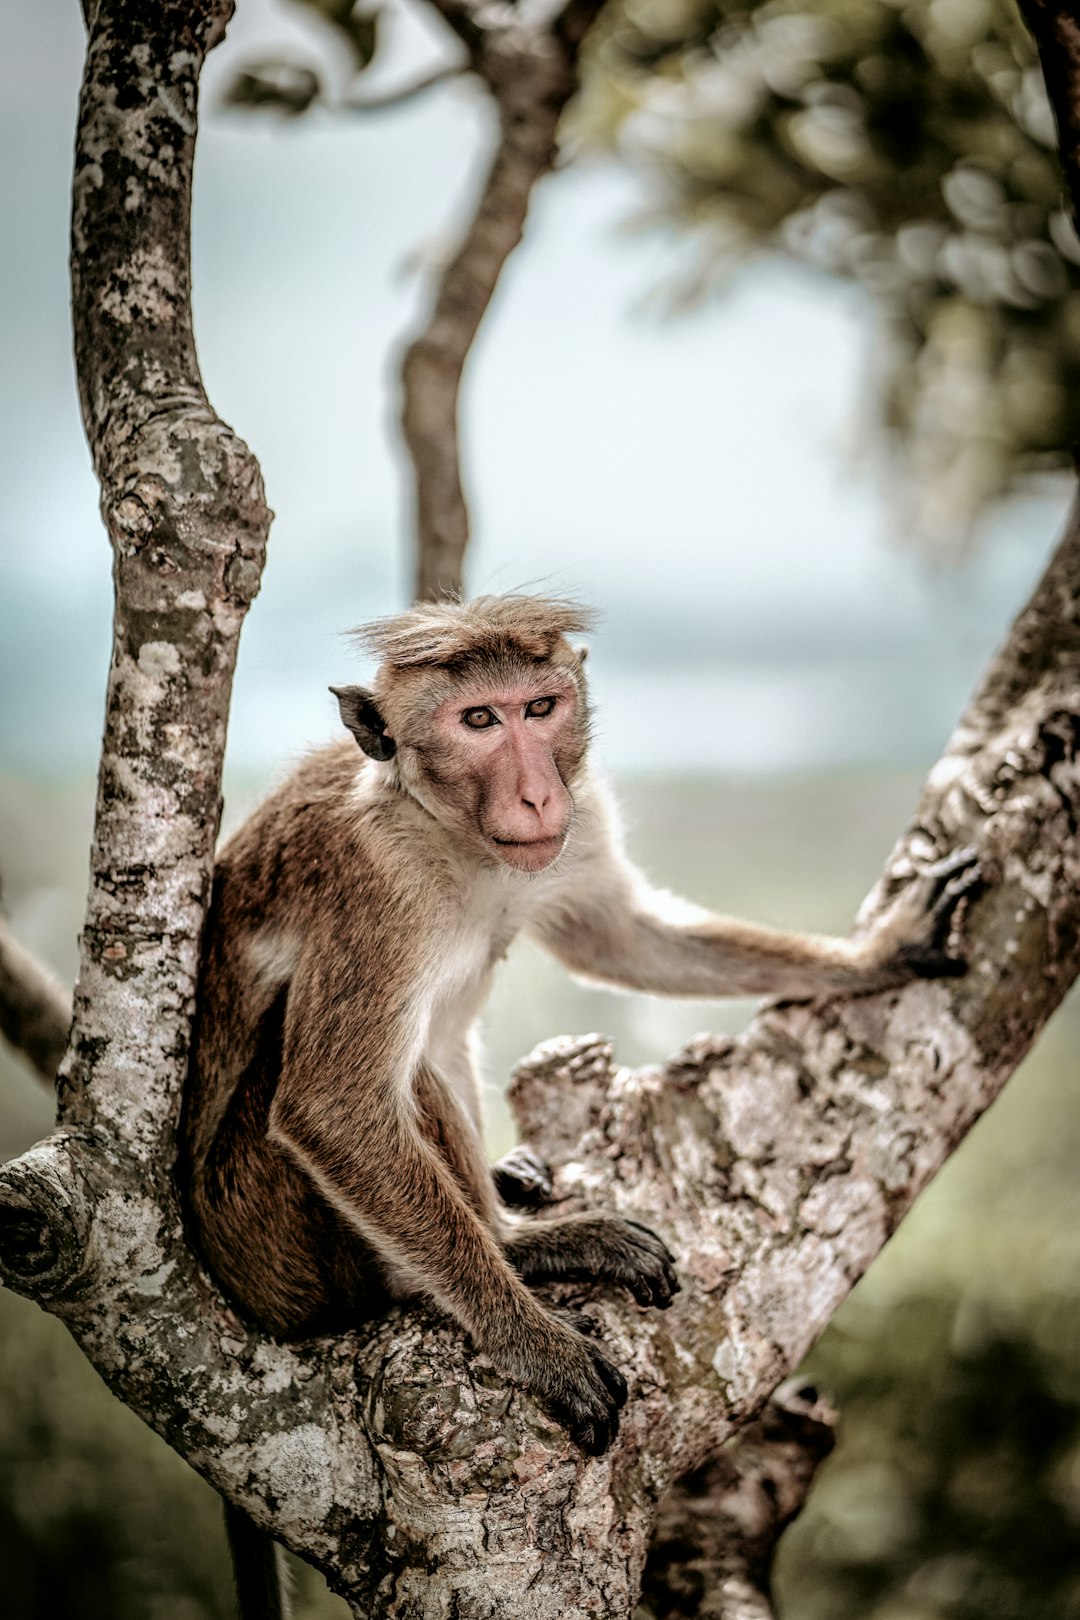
{"type": "Point", "coordinates": [522, 1179]}
{"type": "Point", "coordinates": [572, 1377]}
{"type": "Point", "coordinates": [601, 1248]}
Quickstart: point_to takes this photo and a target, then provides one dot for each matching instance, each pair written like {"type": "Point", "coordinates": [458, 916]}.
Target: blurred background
{"type": "Point", "coordinates": [781, 380]}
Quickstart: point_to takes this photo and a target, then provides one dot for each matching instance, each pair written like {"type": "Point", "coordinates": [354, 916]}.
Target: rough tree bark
{"type": "Point", "coordinates": [777, 1164]}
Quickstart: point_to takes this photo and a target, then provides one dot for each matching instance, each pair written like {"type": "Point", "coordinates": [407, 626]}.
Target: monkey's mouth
{"type": "Point", "coordinates": [530, 854]}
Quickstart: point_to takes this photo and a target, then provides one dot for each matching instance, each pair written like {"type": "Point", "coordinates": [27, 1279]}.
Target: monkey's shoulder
{"type": "Point", "coordinates": [330, 841]}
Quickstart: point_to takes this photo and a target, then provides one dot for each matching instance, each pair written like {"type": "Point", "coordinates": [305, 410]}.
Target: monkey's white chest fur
{"type": "Point", "coordinates": [465, 952]}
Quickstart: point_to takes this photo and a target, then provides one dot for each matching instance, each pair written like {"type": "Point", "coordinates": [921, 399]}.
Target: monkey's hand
{"type": "Point", "coordinates": [522, 1179]}
{"type": "Point", "coordinates": [914, 937]}
{"type": "Point", "coordinates": [601, 1248]}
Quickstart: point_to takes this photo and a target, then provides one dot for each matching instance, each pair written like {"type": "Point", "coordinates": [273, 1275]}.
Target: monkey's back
{"type": "Point", "coordinates": [270, 1239]}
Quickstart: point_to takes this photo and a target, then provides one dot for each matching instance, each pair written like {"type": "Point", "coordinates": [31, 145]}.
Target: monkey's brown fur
{"type": "Point", "coordinates": [332, 1156]}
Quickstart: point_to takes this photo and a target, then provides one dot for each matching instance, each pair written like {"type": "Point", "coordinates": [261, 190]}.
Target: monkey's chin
{"type": "Point", "coordinates": [534, 855]}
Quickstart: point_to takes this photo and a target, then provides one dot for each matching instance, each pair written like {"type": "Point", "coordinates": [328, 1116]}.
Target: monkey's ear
{"type": "Point", "coordinates": [361, 714]}
{"type": "Point", "coordinates": [582, 653]}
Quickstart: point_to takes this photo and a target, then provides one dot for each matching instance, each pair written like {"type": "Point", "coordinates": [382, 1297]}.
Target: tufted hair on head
{"type": "Point", "coordinates": [445, 635]}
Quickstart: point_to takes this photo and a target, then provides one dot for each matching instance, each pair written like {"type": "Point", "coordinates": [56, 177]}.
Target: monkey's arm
{"type": "Point", "coordinates": [346, 1111]}
{"type": "Point", "coordinates": [610, 925]}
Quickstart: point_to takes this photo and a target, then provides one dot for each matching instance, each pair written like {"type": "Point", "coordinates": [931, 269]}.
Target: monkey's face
{"type": "Point", "coordinates": [498, 760]}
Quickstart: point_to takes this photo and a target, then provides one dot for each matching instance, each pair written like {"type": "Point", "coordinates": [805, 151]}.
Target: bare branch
{"type": "Point", "coordinates": [407, 93]}
{"type": "Point", "coordinates": [717, 1529]}
{"type": "Point", "coordinates": [532, 74]}
{"type": "Point", "coordinates": [35, 1011]}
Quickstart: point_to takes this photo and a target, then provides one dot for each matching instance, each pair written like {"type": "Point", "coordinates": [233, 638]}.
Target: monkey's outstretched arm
{"type": "Point", "coordinates": [616, 929]}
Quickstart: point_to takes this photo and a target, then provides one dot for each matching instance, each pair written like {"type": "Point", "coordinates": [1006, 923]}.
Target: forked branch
{"type": "Point", "coordinates": [777, 1164]}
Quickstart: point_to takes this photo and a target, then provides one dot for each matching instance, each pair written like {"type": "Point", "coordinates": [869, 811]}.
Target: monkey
{"type": "Point", "coordinates": [332, 1160]}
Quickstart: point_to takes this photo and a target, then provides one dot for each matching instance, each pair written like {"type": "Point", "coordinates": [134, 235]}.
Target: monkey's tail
{"type": "Point", "coordinates": [262, 1585]}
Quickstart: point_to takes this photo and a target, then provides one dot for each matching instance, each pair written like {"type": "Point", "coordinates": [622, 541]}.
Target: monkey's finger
{"type": "Point", "coordinates": [947, 883]}
{"type": "Point", "coordinates": [594, 1438]}
{"type": "Point", "coordinates": [928, 962]}
{"type": "Point", "coordinates": [948, 866]}
{"type": "Point", "coordinates": [653, 1282]}
{"type": "Point", "coordinates": [611, 1378]}
{"type": "Point", "coordinates": [655, 1241]}
{"type": "Point", "coordinates": [657, 1290]}
{"type": "Point", "coordinates": [591, 1415]}
{"type": "Point", "coordinates": [580, 1321]}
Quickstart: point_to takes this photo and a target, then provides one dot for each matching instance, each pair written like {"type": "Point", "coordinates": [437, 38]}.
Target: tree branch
{"type": "Point", "coordinates": [183, 503]}
{"type": "Point", "coordinates": [531, 71]}
{"type": "Point", "coordinates": [717, 1529]}
{"type": "Point", "coordinates": [407, 93]}
{"type": "Point", "coordinates": [35, 1012]}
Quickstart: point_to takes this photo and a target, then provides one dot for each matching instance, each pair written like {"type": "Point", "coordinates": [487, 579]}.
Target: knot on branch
{"type": "Point", "coordinates": [45, 1218]}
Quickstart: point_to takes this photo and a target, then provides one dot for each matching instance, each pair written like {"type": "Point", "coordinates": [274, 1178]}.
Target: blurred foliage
{"type": "Point", "coordinates": [905, 144]}
{"type": "Point", "coordinates": [286, 86]}
{"type": "Point", "coordinates": [956, 1495]}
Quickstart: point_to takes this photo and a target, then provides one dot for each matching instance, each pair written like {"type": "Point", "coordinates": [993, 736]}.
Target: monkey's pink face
{"type": "Point", "coordinates": [500, 755]}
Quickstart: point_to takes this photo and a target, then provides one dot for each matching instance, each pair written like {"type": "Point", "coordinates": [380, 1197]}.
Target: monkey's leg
{"type": "Point", "coordinates": [593, 1247]}
{"type": "Point", "coordinates": [603, 1248]}
{"type": "Point", "coordinates": [401, 1196]}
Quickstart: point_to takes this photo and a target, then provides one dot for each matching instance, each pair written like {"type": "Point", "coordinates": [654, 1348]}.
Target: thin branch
{"type": "Point", "coordinates": [532, 75]}
{"type": "Point", "coordinates": [407, 93]}
{"type": "Point", "coordinates": [35, 1011]}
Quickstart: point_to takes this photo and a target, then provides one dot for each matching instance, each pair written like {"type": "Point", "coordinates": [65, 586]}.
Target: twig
{"type": "Point", "coordinates": [35, 1011]}
{"type": "Point", "coordinates": [407, 93]}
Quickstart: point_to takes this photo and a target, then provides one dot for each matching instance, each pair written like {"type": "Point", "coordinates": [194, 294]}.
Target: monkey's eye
{"type": "Point", "coordinates": [539, 708]}
{"type": "Point", "coordinates": [479, 719]}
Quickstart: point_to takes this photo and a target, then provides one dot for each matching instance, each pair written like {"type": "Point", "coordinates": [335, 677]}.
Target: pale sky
{"type": "Point", "coordinates": [688, 476]}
